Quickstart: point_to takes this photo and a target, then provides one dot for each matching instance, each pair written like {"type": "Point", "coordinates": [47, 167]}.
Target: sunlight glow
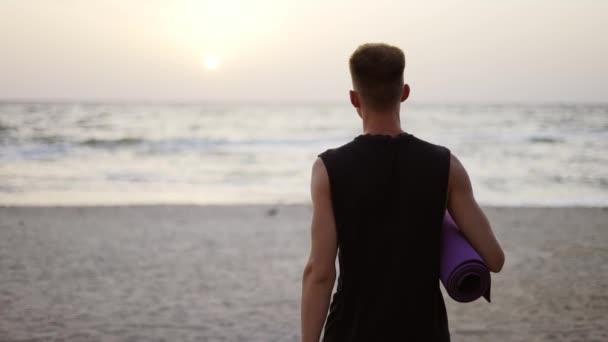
{"type": "Point", "coordinates": [206, 25]}
{"type": "Point", "coordinates": [212, 62]}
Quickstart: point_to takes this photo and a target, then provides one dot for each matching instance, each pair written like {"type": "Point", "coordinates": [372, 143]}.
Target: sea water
{"type": "Point", "coordinates": [98, 154]}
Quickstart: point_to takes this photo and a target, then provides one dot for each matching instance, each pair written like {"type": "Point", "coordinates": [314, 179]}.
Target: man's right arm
{"type": "Point", "coordinates": [469, 217]}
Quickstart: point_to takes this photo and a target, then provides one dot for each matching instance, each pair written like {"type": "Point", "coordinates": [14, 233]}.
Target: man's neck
{"type": "Point", "coordinates": [382, 123]}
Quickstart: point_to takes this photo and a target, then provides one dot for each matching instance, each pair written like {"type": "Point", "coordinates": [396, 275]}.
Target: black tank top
{"type": "Point", "coordinates": [388, 196]}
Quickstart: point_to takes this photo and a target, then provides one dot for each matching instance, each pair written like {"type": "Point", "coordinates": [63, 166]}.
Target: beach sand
{"type": "Point", "coordinates": [233, 273]}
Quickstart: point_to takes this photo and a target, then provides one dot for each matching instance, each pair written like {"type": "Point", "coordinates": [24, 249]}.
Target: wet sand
{"type": "Point", "coordinates": [232, 273]}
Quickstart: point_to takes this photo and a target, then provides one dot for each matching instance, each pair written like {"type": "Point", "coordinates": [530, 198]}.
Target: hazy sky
{"type": "Point", "coordinates": [153, 50]}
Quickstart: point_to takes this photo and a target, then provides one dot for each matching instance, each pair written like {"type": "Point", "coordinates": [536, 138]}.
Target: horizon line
{"type": "Point", "coordinates": [134, 101]}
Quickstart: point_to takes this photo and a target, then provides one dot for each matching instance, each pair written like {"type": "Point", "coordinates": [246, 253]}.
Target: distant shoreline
{"type": "Point", "coordinates": [267, 102]}
{"type": "Point", "coordinates": [260, 205]}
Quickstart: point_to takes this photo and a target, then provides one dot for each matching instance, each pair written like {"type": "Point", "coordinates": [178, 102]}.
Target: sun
{"type": "Point", "coordinates": [212, 62]}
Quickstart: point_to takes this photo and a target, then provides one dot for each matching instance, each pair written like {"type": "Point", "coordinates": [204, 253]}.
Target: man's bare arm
{"type": "Point", "coordinates": [319, 272]}
{"type": "Point", "coordinates": [469, 217]}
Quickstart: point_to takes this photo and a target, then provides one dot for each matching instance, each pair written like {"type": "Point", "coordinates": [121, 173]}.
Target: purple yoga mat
{"type": "Point", "coordinates": [462, 271]}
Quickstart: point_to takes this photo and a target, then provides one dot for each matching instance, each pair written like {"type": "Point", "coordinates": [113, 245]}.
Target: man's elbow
{"type": "Point", "coordinates": [498, 262]}
{"type": "Point", "coordinates": [317, 274]}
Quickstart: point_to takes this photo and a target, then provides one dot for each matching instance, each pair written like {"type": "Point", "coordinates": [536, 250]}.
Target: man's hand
{"type": "Point", "coordinates": [319, 272]}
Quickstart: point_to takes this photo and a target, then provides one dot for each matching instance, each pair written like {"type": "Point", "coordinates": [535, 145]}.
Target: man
{"type": "Point", "coordinates": [379, 201]}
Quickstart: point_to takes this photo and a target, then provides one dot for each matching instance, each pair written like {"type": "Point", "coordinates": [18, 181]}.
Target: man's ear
{"type": "Point", "coordinates": [406, 92]}
{"type": "Point", "coordinates": [354, 99]}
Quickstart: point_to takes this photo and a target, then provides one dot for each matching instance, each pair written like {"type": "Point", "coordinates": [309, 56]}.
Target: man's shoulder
{"type": "Point", "coordinates": [332, 151]}
{"type": "Point", "coordinates": [427, 143]}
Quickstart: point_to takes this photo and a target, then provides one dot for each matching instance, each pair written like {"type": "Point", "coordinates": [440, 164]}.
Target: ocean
{"type": "Point", "coordinates": [106, 154]}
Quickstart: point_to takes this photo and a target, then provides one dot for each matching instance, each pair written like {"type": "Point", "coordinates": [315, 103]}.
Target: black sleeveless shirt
{"type": "Point", "coordinates": [388, 195]}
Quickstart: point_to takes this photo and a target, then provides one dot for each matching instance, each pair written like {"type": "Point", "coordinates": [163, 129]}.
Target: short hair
{"type": "Point", "coordinates": [377, 74]}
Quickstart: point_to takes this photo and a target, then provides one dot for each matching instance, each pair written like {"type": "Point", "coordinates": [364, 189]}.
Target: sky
{"type": "Point", "coordinates": [281, 51]}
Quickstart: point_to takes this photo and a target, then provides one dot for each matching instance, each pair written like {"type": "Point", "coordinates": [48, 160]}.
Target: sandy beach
{"type": "Point", "coordinates": [232, 273]}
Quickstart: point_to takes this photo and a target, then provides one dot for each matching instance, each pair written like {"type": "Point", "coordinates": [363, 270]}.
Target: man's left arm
{"type": "Point", "coordinates": [320, 271]}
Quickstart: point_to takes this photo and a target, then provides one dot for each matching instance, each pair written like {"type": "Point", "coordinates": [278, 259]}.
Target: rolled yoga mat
{"type": "Point", "coordinates": [462, 271]}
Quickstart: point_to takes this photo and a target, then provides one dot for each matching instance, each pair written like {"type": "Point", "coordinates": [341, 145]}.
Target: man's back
{"type": "Point", "coordinates": [388, 195]}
